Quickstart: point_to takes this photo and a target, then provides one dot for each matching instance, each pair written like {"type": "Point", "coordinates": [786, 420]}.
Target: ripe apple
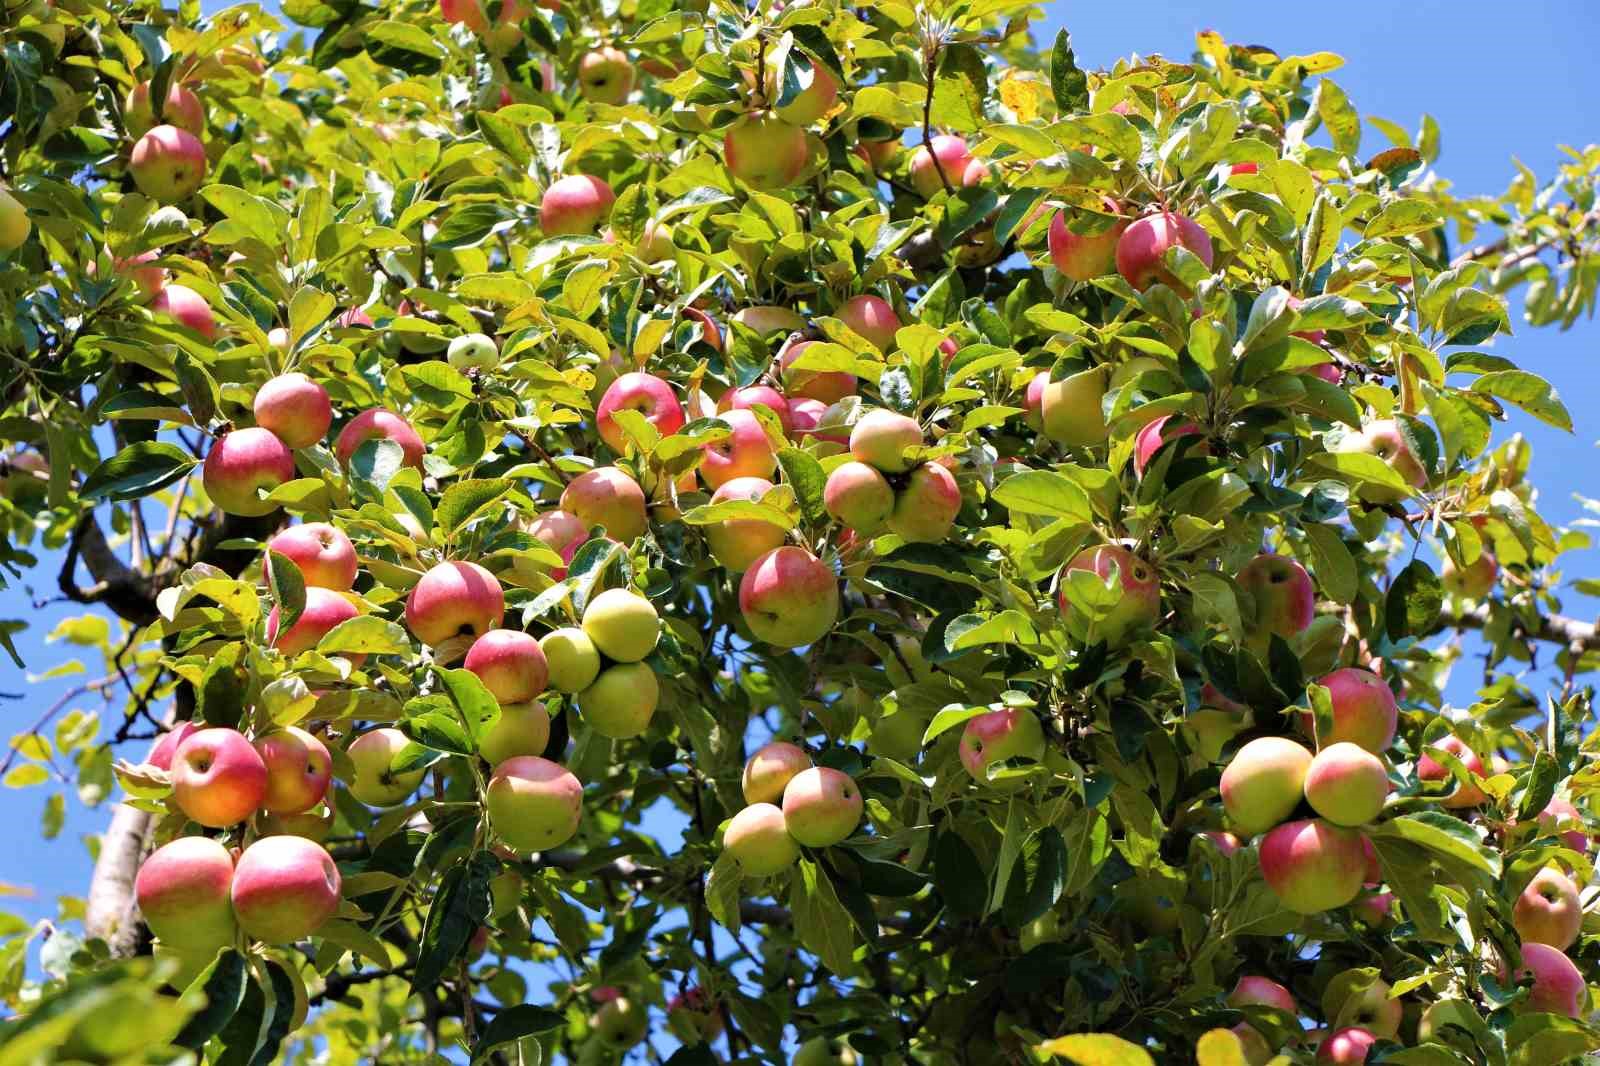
{"type": "Point", "coordinates": [187, 308]}
{"type": "Point", "coordinates": [821, 806]}
{"type": "Point", "coordinates": [873, 319]}
{"type": "Point", "coordinates": [950, 155]}
{"type": "Point", "coordinates": [295, 408]}
{"type": "Point", "coordinates": [523, 729]}
{"type": "Point", "coordinates": [998, 736]}
{"type": "Point", "coordinates": [324, 609]}
{"type": "Point", "coordinates": [605, 76]}
{"type": "Point", "coordinates": [621, 701]}
{"type": "Point", "coordinates": [814, 101]}
{"type": "Point", "coordinates": [1142, 249]}
{"type": "Point", "coordinates": [859, 497]}
{"type": "Point", "coordinates": [752, 396]}
{"type": "Point", "coordinates": [183, 109]}
{"type": "Point", "coordinates": [620, 1023]}
{"type": "Point", "coordinates": [1070, 410]}
{"type": "Point", "coordinates": [623, 625]}
{"type": "Point", "coordinates": [738, 542]}
{"type": "Point", "coordinates": [1346, 1047]}
{"type": "Point", "coordinates": [218, 779]}
{"type": "Point", "coordinates": [378, 423]}
{"type": "Point", "coordinates": [454, 599]}
{"type": "Point", "coordinates": [1558, 986]}
{"type": "Point", "coordinates": [820, 1051]}
{"type": "Point", "coordinates": [1383, 439]}
{"type": "Point", "coordinates": [1284, 595]}
{"type": "Point", "coordinates": [323, 553]}
{"type": "Point", "coordinates": [1313, 865]}
{"type": "Point", "coordinates": [1548, 911]}
{"type": "Point", "coordinates": [1557, 813]}
{"type": "Point", "coordinates": [881, 437]}
{"type": "Point", "coordinates": [371, 754]}
{"type": "Point", "coordinates": [299, 769]}
{"type": "Point", "coordinates": [1430, 770]}
{"type": "Point", "coordinates": [1476, 580]}
{"type": "Point", "coordinates": [1158, 432]}
{"type": "Point", "coordinates": [759, 841]}
{"type": "Point", "coordinates": [655, 242]}
{"type": "Point", "coordinates": [573, 659]}
{"type": "Point", "coordinates": [1084, 257]}
{"type": "Point", "coordinates": [607, 496]}
{"type": "Point", "coordinates": [502, 36]}
{"type": "Point", "coordinates": [765, 152]}
{"type": "Point", "coordinates": [575, 204]}
{"type": "Point", "coordinates": [1253, 991]}
{"type": "Point", "coordinates": [789, 598]}
{"type": "Point", "coordinates": [473, 351]}
{"type": "Point", "coordinates": [1264, 782]}
{"type": "Point", "coordinates": [14, 222]}
{"type": "Point", "coordinates": [510, 664]}
{"type": "Point", "coordinates": [563, 533]}
{"type": "Point", "coordinates": [768, 772]}
{"type": "Point", "coordinates": [1374, 906]}
{"type": "Point", "coordinates": [353, 317]}
{"type": "Point", "coordinates": [535, 803]}
{"type": "Point", "coordinates": [164, 749]}
{"type": "Point", "coordinates": [1346, 784]}
{"type": "Point", "coordinates": [926, 509]}
{"type": "Point", "coordinates": [645, 393]}
{"type": "Point", "coordinates": [183, 893]}
{"type": "Point", "coordinates": [285, 887]}
{"type": "Point", "coordinates": [808, 415]}
{"type": "Point", "coordinates": [168, 164]}
{"type": "Point", "coordinates": [747, 453]}
{"type": "Point", "coordinates": [829, 386]}
{"type": "Point", "coordinates": [1364, 709]}
{"type": "Point", "coordinates": [1139, 607]}
{"type": "Point", "coordinates": [1225, 843]}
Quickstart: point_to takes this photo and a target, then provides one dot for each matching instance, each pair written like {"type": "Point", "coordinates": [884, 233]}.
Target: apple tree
{"type": "Point", "coordinates": [794, 532]}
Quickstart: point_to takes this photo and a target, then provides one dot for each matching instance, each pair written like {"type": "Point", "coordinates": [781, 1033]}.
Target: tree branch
{"type": "Point", "coordinates": [1554, 629]}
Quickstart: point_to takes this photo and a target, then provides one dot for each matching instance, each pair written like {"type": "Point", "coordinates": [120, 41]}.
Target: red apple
{"type": "Point", "coordinates": [378, 423]}
{"type": "Point", "coordinates": [535, 804]}
{"type": "Point", "coordinates": [454, 599]}
{"type": "Point", "coordinates": [1263, 783]}
{"type": "Point", "coordinates": [1084, 257]}
{"type": "Point", "coordinates": [284, 888]}
{"type": "Point", "coordinates": [162, 752]}
{"type": "Point", "coordinates": [752, 396]}
{"type": "Point", "coordinates": [502, 36]}
{"type": "Point", "coordinates": [765, 152]}
{"type": "Point", "coordinates": [858, 496]}
{"type": "Point", "coordinates": [1142, 249]}
{"type": "Point", "coordinates": [168, 164]}
{"type": "Point", "coordinates": [1313, 866]}
{"type": "Point", "coordinates": [323, 553]}
{"type": "Point", "coordinates": [646, 394]}
{"type": "Point", "coordinates": [1364, 709]}
{"type": "Point", "coordinates": [563, 533]}
{"type": "Point", "coordinates": [1284, 595]}
{"type": "Point", "coordinates": [808, 415]}
{"type": "Point", "coordinates": [873, 319]}
{"type": "Point", "coordinates": [789, 598]}
{"type": "Point", "coordinates": [747, 453]}
{"type": "Point", "coordinates": [218, 779]}
{"type": "Point", "coordinates": [185, 307]}
{"type": "Point", "coordinates": [1430, 770]}
{"type": "Point", "coordinates": [998, 736]}
{"type": "Point", "coordinates": [182, 109]}
{"type": "Point", "coordinates": [299, 769]}
{"type": "Point", "coordinates": [1155, 434]}
{"type": "Point", "coordinates": [243, 463]}
{"type": "Point", "coordinates": [1262, 992]}
{"type": "Point", "coordinates": [607, 496]}
{"type": "Point", "coordinates": [1557, 813]}
{"type": "Point", "coordinates": [510, 664]}
{"type": "Point", "coordinates": [821, 806]}
{"type": "Point", "coordinates": [768, 772]}
{"type": "Point", "coordinates": [295, 408]}
{"type": "Point", "coordinates": [739, 542]}
{"type": "Point", "coordinates": [1139, 607]}
{"type": "Point", "coordinates": [950, 155]}
{"type": "Point", "coordinates": [1346, 1047]}
{"type": "Point", "coordinates": [1558, 986]}
{"type": "Point", "coordinates": [1384, 440]}
{"type": "Point", "coordinates": [183, 893]}
{"type": "Point", "coordinates": [324, 609]}
{"type": "Point", "coordinates": [925, 510]}
{"type": "Point", "coordinates": [575, 204]}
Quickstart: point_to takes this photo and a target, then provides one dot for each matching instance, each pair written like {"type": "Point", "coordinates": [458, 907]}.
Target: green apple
{"type": "Point", "coordinates": [621, 700]}
{"type": "Point", "coordinates": [1264, 782]}
{"type": "Point", "coordinates": [622, 624]}
{"type": "Point", "coordinates": [573, 660]}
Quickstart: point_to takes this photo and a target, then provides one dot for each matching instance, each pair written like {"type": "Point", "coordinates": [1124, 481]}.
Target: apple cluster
{"type": "Point", "coordinates": [881, 488]}
{"type": "Point", "coordinates": [789, 803]}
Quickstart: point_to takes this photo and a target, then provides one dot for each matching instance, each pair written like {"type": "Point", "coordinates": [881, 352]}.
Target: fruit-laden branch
{"type": "Point", "coordinates": [1555, 628]}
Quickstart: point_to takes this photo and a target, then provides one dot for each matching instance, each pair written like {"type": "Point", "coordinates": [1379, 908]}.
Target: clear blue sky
{"type": "Point", "coordinates": [1503, 81]}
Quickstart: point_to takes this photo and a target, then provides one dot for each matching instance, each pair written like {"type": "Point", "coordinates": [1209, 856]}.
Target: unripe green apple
{"type": "Point", "coordinates": [820, 1051]}
{"type": "Point", "coordinates": [505, 893]}
{"type": "Point", "coordinates": [1374, 1010]}
{"type": "Point", "coordinates": [1070, 408]}
{"type": "Point", "coordinates": [1346, 784]}
{"type": "Point", "coordinates": [739, 542]}
{"type": "Point", "coordinates": [620, 1023]}
{"type": "Point", "coordinates": [621, 700]}
{"type": "Point", "coordinates": [765, 152]}
{"type": "Point", "coordinates": [14, 222]}
{"type": "Point", "coordinates": [821, 806]}
{"type": "Point", "coordinates": [523, 729]}
{"type": "Point", "coordinates": [371, 755]}
{"type": "Point", "coordinates": [758, 840]}
{"type": "Point", "coordinates": [1264, 782]}
{"type": "Point", "coordinates": [1474, 581]}
{"type": "Point", "coordinates": [472, 351]}
{"type": "Point", "coordinates": [623, 625]}
{"type": "Point", "coordinates": [573, 659]}
{"type": "Point", "coordinates": [1210, 729]}
{"type": "Point", "coordinates": [605, 76]}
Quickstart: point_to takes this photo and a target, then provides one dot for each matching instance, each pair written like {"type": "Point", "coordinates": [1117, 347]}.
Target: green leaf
{"type": "Point", "coordinates": [1540, 1039]}
{"type": "Point", "coordinates": [1528, 391]}
{"type": "Point", "coordinates": [1402, 218]}
{"type": "Point", "coordinates": [803, 473]}
{"type": "Point", "coordinates": [1344, 124]}
{"type": "Point", "coordinates": [723, 891]}
{"type": "Point", "coordinates": [1412, 606]}
{"type": "Point", "coordinates": [1044, 492]}
{"type": "Point", "coordinates": [820, 920]}
{"type": "Point", "coordinates": [223, 983]}
{"type": "Point", "coordinates": [460, 906]}
{"type": "Point", "coordinates": [1042, 880]}
{"type": "Point", "coordinates": [959, 91]}
{"type": "Point", "coordinates": [466, 500]}
{"type": "Point", "coordinates": [1331, 562]}
{"type": "Point", "coordinates": [366, 634]}
{"type": "Point", "coordinates": [262, 219]}
{"type": "Point", "coordinates": [239, 1038]}
{"type": "Point", "coordinates": [1445, 835]}
{"type": "Point", "coordinates": [512, 1024]}
{"type": "Point", "coordinates": [1068, 85]}
{"type": "Point", "coordinates": [137, 471]}
{"type": "Point", "coordinates": [470, 226]}
{"type": "Point", "coordinates": [959, 877]}
{"type": "Point", "coordinates": [288, 588]}
{"type": "Point", "coordinates": [475, 703]}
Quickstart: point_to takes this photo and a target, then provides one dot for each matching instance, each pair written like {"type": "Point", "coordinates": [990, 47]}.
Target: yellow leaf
{"type": "Point", "coordinates": [1220, 1047]}
{"type": "Point", "coordinates": [1097, 1049]}
{"type": "Point", "coordinates": [1021, 95]}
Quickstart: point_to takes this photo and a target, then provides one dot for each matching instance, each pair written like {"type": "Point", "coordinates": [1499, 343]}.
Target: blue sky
{"type": "Point", "coordinates": [1503, 81]}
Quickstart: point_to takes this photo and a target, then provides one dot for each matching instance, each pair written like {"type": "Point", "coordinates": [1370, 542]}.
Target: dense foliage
{"type": "Point", "coordinates": [1053, 458]}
